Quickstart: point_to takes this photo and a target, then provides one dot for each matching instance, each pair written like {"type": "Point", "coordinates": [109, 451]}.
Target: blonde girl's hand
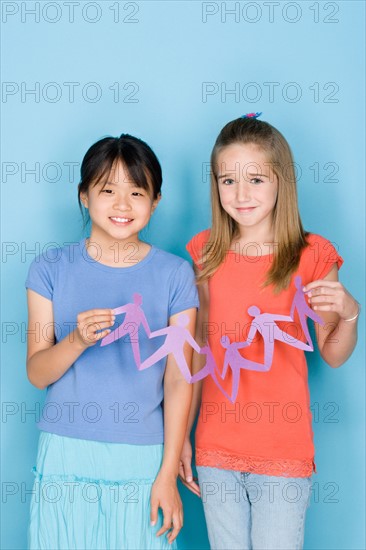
{"type": "Point", "coordinates": [185, 468]}
{"type": "Point", "coordinates": [92, 326]}
{"type": "Point", "coordinates": [165, 495]}
{"type": "Point", "coordinates": [325, 295]}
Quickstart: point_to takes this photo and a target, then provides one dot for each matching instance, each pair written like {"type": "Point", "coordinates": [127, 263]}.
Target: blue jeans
{"type": "Point", "coordinates": [253, 512]}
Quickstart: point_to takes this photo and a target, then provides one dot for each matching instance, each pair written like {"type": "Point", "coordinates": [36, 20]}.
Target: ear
{"type": "Point", "coordinates": [84, 199]}
{"type": "Point", "coordinates": [155, 202]}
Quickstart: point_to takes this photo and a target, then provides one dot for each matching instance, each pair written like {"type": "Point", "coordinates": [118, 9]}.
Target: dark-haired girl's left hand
{"type": "Point", "coordinates": [165, 495]}
{"type": "Point", "coordinates": [325, 295]}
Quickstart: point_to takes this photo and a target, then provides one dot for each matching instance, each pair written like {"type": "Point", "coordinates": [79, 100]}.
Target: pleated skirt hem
{"type": "Point", "coordinates": [99, 502]}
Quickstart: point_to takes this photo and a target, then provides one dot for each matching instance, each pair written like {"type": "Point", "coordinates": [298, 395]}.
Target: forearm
{"type": "Point", "coordinates": [340, 343]}
{"type": "Point", "coordinates": [47, 366]}
{"type": "Point", "coordinates": [197, 364]}
{"type": "Point", "coordinates": [199, 359]}
{"type": "Point", "coordinates": [177, 401]}
{"type": "Point", "coordinates": [337, 335]}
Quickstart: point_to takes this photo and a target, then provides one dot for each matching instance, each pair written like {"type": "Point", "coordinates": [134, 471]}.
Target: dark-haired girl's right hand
{"type": "Point", "coordinates": [92, 326]}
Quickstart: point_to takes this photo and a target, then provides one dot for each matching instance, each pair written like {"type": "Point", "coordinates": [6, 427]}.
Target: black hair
{"type": "Point", "coordinates": [137, 157]}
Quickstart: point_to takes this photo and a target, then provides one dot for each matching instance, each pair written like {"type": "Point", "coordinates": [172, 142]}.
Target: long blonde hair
{"type": "Point", "coordinates": [289, 235]}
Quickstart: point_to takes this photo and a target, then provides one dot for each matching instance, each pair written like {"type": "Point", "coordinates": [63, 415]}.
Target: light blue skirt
{"type": "Point", "coordinates": [90, 495]}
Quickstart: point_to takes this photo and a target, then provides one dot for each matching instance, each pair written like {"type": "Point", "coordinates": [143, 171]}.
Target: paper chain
{"type": "Point", "coordinates": [178, 335]}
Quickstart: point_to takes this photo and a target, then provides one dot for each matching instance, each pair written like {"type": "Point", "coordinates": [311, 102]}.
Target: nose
{"type": "Point", "coordinates": [122, 201]}
{"type": "Point", "coordinates": [243, 191]}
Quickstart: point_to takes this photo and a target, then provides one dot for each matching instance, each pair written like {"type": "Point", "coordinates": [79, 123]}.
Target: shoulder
{"type": "Point", "coordinates": [200, 238]}
{"type": "Point", "coordinates": [196, 245]}
{"type": "Point", "coordinates": [320, 255]}
{"type": "Point", "coordinates": [53, 259]}
{"type": "Point", "coordinates": [176, 276]}
{"type": "Point", "coordinates": [53, 255]}
{"type": "Point", "coordinates": [319, 246]}
{"type": "Point", "coordinates": [172, 264]}
{"type": "Point", "coordinates": [46, 268]}
{"type": "Point", "coordinates": [313, 238]}
{"type": "Point", "coordinates": [168, 259]}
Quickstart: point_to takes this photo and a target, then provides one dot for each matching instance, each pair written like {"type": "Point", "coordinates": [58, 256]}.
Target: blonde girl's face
{"type": "Point", "coordinates": [118, 208]}
{"type": "Point", "coordinates": [247, 187]}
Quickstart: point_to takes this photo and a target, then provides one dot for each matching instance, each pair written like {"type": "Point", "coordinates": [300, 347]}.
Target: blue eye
{"type": "Point", "coordinates": [228, 181]}
{"type": "Point", "coordinates": [256, 181]}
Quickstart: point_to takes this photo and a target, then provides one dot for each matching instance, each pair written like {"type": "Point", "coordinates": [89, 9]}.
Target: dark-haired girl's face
{"type": "Point", "coordinates": [118, 208]}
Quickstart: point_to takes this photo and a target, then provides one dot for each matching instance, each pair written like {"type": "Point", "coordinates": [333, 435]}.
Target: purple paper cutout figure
{"type": "Point", "coordinates": [176, 337]}
{"type": "Point", "coordinates": [300, 304]}
{"type": "Point", "coordinates": [135, 317]}
{"type": "Point", "coordinates": [262, 322]}
{"type": "Point", "coordinates": [237, 362]}
{"type": "Point", "coordinates": [209, 369]}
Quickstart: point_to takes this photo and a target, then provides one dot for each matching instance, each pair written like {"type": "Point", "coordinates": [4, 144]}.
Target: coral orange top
{"type": "Point", "coordinates": [267, 430]}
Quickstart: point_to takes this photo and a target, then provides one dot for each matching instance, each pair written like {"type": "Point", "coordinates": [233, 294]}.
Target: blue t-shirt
{"type": "Point", "coordinates": [103, 396]}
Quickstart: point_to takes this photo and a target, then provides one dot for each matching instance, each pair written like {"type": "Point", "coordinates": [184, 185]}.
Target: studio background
{"type": "Point", "coordinates": [173, 73]}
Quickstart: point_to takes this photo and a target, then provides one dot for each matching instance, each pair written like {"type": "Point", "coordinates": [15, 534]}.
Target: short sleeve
{"type": "Point", "coordinates": [183, 292]}
{"type": "Point", "coordinates": [325, 255]}
{"type": "Point", "coordinates": [196, 246]}
{"type": "Point", "coordinates": [40, 277]}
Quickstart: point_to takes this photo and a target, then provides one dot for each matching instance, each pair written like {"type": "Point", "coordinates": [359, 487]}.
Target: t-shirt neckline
{"type": "Point", "coordinates": [251, 259]}
{"type": "Point", "coordinates": [110, 269]}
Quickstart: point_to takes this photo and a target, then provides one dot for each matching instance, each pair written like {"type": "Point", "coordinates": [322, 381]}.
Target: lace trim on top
{"type": "Point", "coordinates": [254, 465]}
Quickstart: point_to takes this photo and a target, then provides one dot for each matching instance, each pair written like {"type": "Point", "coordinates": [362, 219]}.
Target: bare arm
{"type": "Point", "coordinates": [185, 469]}
{"type": "Point", "coordinates": [337, 338]}
{"type": "Point", "coordinates": [177, 401]}
{"type": "Point", "coordinates": [199, 359]}
{"type": "Point", "coordinates": [47, 361]}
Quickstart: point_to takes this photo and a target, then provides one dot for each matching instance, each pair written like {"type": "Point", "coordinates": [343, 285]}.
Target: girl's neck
{"type": "Point", "coordinates": [263, 238]}
{"type": "Point", "coordinates": [114, 253]}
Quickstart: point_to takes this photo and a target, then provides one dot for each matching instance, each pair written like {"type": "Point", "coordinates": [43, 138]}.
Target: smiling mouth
{"type": "Point", "coordinates": [121, 220]}
{"type": "Point", "coordinates": [246, 210]}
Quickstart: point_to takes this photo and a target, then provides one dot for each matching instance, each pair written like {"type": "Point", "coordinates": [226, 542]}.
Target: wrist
{"type": "Point", "coordinates": [354, 317]}
{"type": "Point", "coordinates": [77, 342]}
{"type": "Point", "coordinates": [168, 474]}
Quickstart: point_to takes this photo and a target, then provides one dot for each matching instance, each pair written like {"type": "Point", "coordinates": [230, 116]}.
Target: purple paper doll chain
{"type": "Point", "coordinates": [178, 335]}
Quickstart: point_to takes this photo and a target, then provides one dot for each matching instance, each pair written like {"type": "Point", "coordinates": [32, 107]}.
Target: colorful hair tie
{"type": "Point", "coordinates": [251, 115]}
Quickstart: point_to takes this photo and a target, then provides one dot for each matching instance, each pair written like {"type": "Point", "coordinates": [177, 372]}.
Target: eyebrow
{"type": "Point", "coordinates": [226, 175]}
{"type": "Point", "coordinates": [254, 174]}
{"type": "Point", "coordinates": [133, 184]}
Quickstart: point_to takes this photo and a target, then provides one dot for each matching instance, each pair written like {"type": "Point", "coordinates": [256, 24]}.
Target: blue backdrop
{"type": "Point", "coordinates": [173, 73]}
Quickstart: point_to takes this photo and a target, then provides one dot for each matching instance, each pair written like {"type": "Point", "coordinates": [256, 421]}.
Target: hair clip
{"type": "Point", "coordinates": [251, 115]}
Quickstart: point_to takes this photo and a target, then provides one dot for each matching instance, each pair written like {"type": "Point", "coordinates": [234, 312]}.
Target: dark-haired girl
{"type": "Point", "coordinates": [108, 453]}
